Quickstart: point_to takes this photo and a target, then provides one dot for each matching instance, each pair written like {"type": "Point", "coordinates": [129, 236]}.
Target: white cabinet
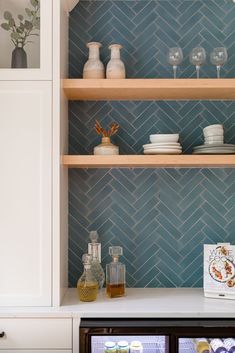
{"type": "Point", "coordinates": [39, 52]}
{"type": "Point", "coordinates": [25, 189]}
{"type": "Point", "coordinates": [36, 333]}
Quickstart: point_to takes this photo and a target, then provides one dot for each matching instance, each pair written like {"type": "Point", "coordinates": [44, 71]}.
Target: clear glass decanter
{"type": "Point", "coordinates": [94, 249]}
{"type": "Point", "coordinates": [115, 274]}
{"type": "Point", "coordinates": [87, 285]}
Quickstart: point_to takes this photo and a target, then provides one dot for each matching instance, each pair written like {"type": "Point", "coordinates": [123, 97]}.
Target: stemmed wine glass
{"type": "Point", "coordinates": [175, 58]}
{"type": "Point", "coordinates": [197, 57]}
{"type": "Point", "coordinates": [219, 57]}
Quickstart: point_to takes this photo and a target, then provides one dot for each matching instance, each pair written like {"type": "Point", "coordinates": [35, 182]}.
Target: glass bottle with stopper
{"type": "Point", "coordinates": [115, 274]}
{"type": "Point", "coordinates": [94, 249]}
{"type": "Point", "coordinates": [87, 284]}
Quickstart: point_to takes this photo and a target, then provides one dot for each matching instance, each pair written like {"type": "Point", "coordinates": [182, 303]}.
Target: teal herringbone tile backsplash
{"type": "Point", "coordinates": [147, 28]}
{"type": "Point", "coordinates": [161, 217]}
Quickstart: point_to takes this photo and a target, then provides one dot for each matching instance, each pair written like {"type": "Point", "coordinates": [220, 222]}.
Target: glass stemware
{"type": "Point", "coordinates": [219, 57]}
{"type": "Point", "coordinates": [197, 57]}
{"type": "Point", "coordinates": [175, 58]}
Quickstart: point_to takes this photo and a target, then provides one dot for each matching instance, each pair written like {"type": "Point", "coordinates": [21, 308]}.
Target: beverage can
{"type": "Point", "coordinates": [123, 347]}
{"type": "Point", "coordinates": [110, 347]}
{"type": "Point", "coordinates": [218, 346]}
{"type": "Point", "coordinates": [136, 347]}
{"type": "Point", "coordinates": [202, 345]}
{"type": "Point", "coordinates": [229, 344]}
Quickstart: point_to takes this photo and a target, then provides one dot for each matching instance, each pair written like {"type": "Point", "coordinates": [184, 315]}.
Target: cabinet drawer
{"type": "Point", "coordinates": [36, 334]}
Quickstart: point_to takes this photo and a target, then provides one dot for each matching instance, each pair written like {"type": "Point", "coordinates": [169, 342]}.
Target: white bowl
{"type": "Point", "coordinates": [164, 138]}
{"type": "Point", "coordinates": [213, 132]}
{"type": "Point", "coordinates": [215, 126]}
{"type": "Point", "coordinates": [219, 137]}
{"type": "Point", "coordinates": [214, 139]}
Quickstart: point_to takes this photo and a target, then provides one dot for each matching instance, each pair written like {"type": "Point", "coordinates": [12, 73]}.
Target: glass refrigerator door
{"type": "Point", "coordinates": [207, 345]}
{"type": "Point", "coordinates": [125, 344]}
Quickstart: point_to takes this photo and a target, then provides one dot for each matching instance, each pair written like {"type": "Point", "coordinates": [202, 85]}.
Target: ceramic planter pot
{"type": "Point", "coordinates": [94, 68]}
{"type": "Point", "coordinates": [106, 148]}
{"type": "Point", "coordinates": [115, 67]}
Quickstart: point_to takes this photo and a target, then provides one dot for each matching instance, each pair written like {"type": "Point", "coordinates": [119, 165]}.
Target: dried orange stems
{"type": "Point", "coordinates": [106, 133]}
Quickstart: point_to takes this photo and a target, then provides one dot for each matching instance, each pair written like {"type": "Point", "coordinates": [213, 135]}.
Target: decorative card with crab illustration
{"type": "Point", "coordinates": [219, 271]}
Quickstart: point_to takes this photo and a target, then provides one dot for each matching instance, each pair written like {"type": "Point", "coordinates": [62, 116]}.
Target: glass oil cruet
{"type": "Point", "coordinates": [115, 274]}
{"type": "Point", "coordinates": [94, 249]}
{"type": "Point", "coordinates": [87, 285]}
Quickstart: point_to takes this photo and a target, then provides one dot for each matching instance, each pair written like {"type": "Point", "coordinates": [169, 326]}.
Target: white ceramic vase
{"type": "Point", "coordinates": [94, 68]}
{"type": "Point", "coordinates": [106, 148]}
{"type": "Point", "coordinates": [115, 67]}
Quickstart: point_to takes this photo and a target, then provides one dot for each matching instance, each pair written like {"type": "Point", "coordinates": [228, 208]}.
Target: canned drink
{"type": "Point", "coordinates": [136, 347]}
{"type": "Point", "coordinates": [122, 347]}
{"type": "Point", "coordinates": [110, 347]}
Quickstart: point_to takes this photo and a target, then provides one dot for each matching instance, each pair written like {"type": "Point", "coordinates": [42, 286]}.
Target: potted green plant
{"type": "Point", "coordinates": [21, 30]}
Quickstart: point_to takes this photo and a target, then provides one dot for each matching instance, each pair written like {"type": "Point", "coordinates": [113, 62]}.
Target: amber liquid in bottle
{"type": "Point", "coordinates": [115, 274]}
{"type": "Point", "coordinates": [87, 285]}
{"type": "Point", "coordinates": [87, 291]}
{"type": "Point", "coordinates": [115, 290]}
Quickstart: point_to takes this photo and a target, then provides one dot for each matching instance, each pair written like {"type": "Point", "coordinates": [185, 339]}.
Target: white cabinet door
{"type": "Point", "coordinates": [25, 193]}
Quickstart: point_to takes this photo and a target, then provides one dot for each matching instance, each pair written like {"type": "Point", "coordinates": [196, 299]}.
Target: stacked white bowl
{"type": "Point", "coordinates": [214, 134]}
{"type": "Point", "coordinates": [163, 144]}
{"type": "Point", "coordinates": [214, 142]}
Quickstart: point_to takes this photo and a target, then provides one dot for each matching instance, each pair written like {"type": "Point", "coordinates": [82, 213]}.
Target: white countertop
{"type": "Point", "coordinates": [153, 303]}
{"type": "Point", "coordinates": [138, 303]}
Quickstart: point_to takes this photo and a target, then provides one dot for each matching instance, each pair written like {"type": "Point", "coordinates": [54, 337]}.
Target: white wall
{"type": "Point", "coordinates": [6, 46]}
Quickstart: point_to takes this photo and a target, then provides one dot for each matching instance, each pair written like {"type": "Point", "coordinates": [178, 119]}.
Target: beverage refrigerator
{"type": "Point", "coordinates": [158, 335]}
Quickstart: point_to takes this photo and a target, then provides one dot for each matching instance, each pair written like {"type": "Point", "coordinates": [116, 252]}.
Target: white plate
{"type": "Point", "coordinates": [215, 145]}
{"type": "Point", "coordinates": [165, 147]}
{"type": "Point", "coordinates": [163, 151]}
{"type": "Point", "coordinates": [163, 144]}
{"type": "Point", "coordinates": [166, 153]}
{"type": "Point", "coordinates": [215, 151]}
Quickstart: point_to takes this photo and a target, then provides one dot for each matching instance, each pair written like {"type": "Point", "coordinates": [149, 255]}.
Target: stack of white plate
{"type": "Point", "coordinates": [214, 142]}
{"type": "Point", "coordinates": [215, 149]}
{"type": "Point", "coordinates": [163, 144]}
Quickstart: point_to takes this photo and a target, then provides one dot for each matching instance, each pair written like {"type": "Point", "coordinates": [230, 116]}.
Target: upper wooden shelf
{"type": "Point", "coordinates": [150, 89]}
{"type": "Point", "coordinates": [149, 161]}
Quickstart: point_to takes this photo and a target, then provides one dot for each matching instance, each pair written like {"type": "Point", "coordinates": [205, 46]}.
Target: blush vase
{"type": "Point", "coordinates": [115, 68]}
{"type": "Point", "coordinates": [94, 68]}
{"type": "Point", "coordinates": [19, 58]}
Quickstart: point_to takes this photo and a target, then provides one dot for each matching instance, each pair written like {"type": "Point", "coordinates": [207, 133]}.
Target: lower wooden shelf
{"type": "Point", "coordinates": [149, 161]}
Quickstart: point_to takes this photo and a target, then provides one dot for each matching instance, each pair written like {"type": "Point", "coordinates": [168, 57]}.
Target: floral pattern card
{"type": "Point", "coordinates": [219, 271]}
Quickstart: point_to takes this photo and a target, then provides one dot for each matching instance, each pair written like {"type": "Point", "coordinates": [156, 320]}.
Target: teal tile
{"type": "Point", "coordinates": [161, 217]}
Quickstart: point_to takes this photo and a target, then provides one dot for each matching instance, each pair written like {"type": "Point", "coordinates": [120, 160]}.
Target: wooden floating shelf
{"type": "Point", "coordinates": [149, 89]}
{"type": "Point", "coordinates": [149, 161]}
